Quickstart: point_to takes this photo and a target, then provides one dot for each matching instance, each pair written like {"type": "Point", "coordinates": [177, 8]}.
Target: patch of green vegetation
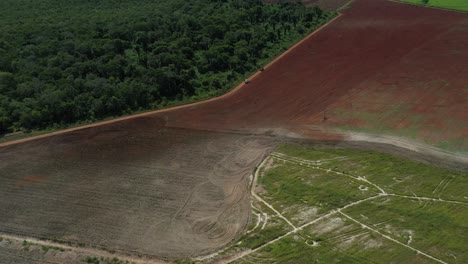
{"type": "Point", "coordinates": [185, 261]}
{"type": "Point", "coordinates": [393, 174]}
{"type": "Point", "coordinates": [27, 245]}
{"type": "Point", "coordinates": [330, 242]}
{"type": "Point", "coordinates": [461, 5]}
{"type": "Point", "coordinates": [436, 228]}
{"type": "Point", "coordinates": [102, 260]}
{"type": "Point", "coordinates": [90, 259]}
{"type": "Point", "coordinates": [306, 152]}
{"type": "Point", "coordinates": [292, 186]}
{"type": "Point", "coordinates": [61, 241]}
{"type": "Point", "coordinates": [286, 250]}
{"type": "Point", "coordinates": [274, 228]}
{"type": "Point", "coordinates": [47, 248]}
{"type": "Point", "coordinates": [454, 144]}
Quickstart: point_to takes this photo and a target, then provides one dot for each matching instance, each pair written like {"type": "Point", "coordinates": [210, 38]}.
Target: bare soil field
{"type": "Point", "coordinates": [134, 187]}
{"type": "Point", "coordinates": [380, 67]}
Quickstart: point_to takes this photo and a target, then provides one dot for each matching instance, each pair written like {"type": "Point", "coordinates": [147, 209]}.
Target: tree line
{"type": "Point", "coordinates": [70, 61]}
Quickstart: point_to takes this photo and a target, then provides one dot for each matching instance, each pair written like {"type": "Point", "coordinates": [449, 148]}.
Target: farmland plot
{"type": "Point", "coordinates": [381, 67]}
{"type": "Point", "coordinates": [134, 187]}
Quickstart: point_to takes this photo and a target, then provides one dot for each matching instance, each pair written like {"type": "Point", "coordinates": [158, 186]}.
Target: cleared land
{"type": "Point", "coordinates": [449, 4]}
{"type": "Point", "coordinates": [171, 185]}
{"type": "Point", "coordinates": [156, 191]}
{"type": "Point", "coordinates": [381, 67]}
{"type": "Point", "coordinates": [342, 205]}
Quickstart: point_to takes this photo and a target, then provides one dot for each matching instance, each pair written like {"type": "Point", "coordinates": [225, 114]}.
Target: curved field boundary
{"type": "Point", "coordinates": [409, 149]}
{"type": "Point", "coordinates": [408, 144]}
{"type": "Point", "coordinates": [241, 85]}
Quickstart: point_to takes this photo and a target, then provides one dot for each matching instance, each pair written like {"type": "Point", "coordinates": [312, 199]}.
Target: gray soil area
{"type": "Point", "coordinates": [134, 187]}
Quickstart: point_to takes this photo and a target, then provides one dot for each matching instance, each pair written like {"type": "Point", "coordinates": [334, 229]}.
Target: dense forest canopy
{"type": "Point", "coordinates": [70, 61]}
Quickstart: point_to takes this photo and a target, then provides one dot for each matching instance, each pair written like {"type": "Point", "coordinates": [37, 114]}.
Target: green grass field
{"type": "Point", "coordinates": [353, 206]}
{"type": "Point", "coordinates": [461, 5]}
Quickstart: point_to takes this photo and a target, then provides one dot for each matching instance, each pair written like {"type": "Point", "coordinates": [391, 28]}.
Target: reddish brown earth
{"type": "Point", "coordinates": [173, 184]}
{"type": "Point", "coordinates": [381, 67]}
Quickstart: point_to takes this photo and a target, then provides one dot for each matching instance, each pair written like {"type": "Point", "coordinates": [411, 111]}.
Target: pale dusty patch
{"type": "Point", "coordinates": [349, 241]}
{"type": "Point", "coordinates": [372, 243]}
{"type": "Point", "coordinates": [313, 176]}
{"type": "Point", "coordinates": [389, 229]}
{"type": "Point", "coordinates": [305, 214]}
{"type": "Point", "coordinates": [296, 237]}
{"type": "Point", "coordinates": [408, 234]}
{"type": "Point", "coordinates": [313, 243]}
{"type": "Point", "coordinates": [363, 188]}
{"type": "Point", "coordinates": [260, 189]}
{"type": "Point", "coordinates": [327, 226]}
{"type": "Point", "coordinates": [270, 164]}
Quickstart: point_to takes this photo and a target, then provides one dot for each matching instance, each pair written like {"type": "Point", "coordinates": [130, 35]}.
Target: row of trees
{"type": "Point", "coordinates": [63, 62]}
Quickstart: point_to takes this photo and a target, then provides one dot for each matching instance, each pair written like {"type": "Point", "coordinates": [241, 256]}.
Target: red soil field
{"type": "Point", "coordinates": [380, 67]}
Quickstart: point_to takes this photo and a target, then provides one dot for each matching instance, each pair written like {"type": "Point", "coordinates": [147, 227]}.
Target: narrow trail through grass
{"type": "Point", "coordinates": [318, 164]}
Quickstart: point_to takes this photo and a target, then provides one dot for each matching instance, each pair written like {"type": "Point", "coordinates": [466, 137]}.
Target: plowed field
{"type": "Point", "coordinates": [134, 186]}
{"type": "Point", "coordinates": [381, 67]}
